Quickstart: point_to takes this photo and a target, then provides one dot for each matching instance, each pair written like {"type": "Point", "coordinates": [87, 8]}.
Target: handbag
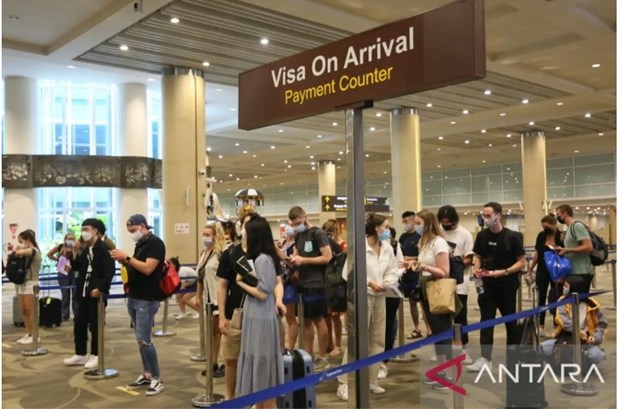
{"type": "Point", "coordinates": [559, 267]}
{"type": "Point", "coordinates": [440, 295]}
{"type": "Point", "coordinates": [237, 316]}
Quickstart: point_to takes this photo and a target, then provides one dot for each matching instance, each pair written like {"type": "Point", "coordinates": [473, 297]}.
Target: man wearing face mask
{"type": "Point", "coordinates": [409, 240]}
{"type": "Point", "coordinates": [498, 259]}
{"type": "Point", "coordinates": [577, 244]}
{"type": "Point", "coordinates": [311, 255]}
{"type": "Point", "coordinates": [96, 269]}
{"type": "Point", "coordinates": [144, 270]}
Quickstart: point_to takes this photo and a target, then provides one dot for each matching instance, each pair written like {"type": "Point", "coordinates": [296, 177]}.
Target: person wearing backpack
{"type": "Point", "coordinates": [28, 248]}
{"type": "Point", "coordinates": [144, 270]}
{"type": "Point", "coordinates": [95, 270]}
{"type": "Point", "coordinates": [577, 244]}
{"type": "Point", "coordinates": [334, 313]}
{"type": "Point", "coordinates": [62, 254]}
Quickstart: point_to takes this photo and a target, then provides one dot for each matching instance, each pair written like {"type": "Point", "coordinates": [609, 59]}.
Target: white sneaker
{"type": "Point", "coordinates": [155, 388]}
{"type": "Point", "coordinates": [477, 366]}
{"type": "Point", "coordinates": [468, 360]}
{"type": "Point", "coordinates": [22, 339]}
{"type": "Point", "coordinates": [27, 340]}
{"type": "Point", "coordinates": [433, 358]}
{"type": "Point", "coordinates": [195, 315]}
{"type": "Point", "coordinates": [92, 363]}
{"type": "Point", "coordinates": [179, 316]}
{"type": "Point", "coordinates": [76, 360]}
{"type": "Point", "coordinates": [383, 372]}
{"type": "Point", "coordinates": [376, 389]}
{"type": "Point", "coordinates": [343, 392]}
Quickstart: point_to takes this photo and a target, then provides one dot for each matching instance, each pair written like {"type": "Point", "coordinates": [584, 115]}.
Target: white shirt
{"type": "Point", "coordinates": [381, 268]}
{"type": "Point", "coordinates": [464, 242]}
{"type": "Point", "coordinates": [209, 293]}
{"type": "Point", "coordinates": [188, 275]}
{"type": "Point", "coordinates": [428, 252]}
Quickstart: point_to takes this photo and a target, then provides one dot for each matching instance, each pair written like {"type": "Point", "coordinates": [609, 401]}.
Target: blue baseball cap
{"type": "Point", "coordinates": [137, 220]}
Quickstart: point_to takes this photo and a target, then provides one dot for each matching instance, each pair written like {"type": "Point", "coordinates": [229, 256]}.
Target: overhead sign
{"type": "Point", "coordinates": [431, 50]}
{"type": "Point", "coordinates": [339, 204]}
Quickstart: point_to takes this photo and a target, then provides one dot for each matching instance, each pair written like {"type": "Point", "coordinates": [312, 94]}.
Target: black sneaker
{"type": "Point", "coordinates": [435, 384]}
{"type": "Point", "coordinates": [140, 382]}
{"type": "Point", "coordinates": [156, 387]}
{"type": "Point", "coordinates": [219, 372]}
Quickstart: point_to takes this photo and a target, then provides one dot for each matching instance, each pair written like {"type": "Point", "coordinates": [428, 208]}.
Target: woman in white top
{"type": "Point", "coordinates": [433, 262]}
{"type": "Point", "coordinates": [206, 288]}
{"type": "Point", "coordinates": [381, 272]}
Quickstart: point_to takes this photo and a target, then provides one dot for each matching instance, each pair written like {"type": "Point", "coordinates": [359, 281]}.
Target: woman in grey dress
{"type": "Point", "coordinates": [260, 362]}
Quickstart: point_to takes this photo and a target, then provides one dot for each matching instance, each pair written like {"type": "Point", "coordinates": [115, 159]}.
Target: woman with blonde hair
{"type": "Point", "coordinates": [206, 289]}
{"type": "Point", "coordinates": [434, 264]}
{"type": "Point", "coordinates": [28, 248]}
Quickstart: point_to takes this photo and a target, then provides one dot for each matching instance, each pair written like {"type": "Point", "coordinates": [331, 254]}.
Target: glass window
{"type": "Point", "coordinates": [487, 183]}
{"type": "Point", "coordinates": [594, 174]}
{"type": "Point", "coordinates": [594, 159]}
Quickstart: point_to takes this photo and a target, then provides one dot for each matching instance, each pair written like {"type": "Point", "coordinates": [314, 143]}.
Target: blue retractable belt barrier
{"type": "Point", "coordinates": [283, 389]}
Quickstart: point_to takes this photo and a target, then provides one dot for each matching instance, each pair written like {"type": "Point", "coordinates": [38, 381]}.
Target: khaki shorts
{"type": "Point", "coordinates": [27, 288]}
{"type": "Point", "coordinates": [231, 344]}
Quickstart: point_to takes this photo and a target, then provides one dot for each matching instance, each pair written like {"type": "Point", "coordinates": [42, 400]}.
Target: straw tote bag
{"type": "Point", "coordinates": [440, 294]}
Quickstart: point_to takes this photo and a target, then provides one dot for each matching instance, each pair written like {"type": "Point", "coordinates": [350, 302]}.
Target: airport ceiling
{"type": "Point", "coordinates": [559, 55]}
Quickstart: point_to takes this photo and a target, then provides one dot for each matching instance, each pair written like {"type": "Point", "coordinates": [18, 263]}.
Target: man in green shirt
{"type": "Point", "coordinates": [577, 244]}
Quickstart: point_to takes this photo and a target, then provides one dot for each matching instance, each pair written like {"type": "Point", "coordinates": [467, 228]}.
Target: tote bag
{"type": "Point", "coordinates": [559, 267]}
{"type": "Point", "coordinates": [440, 294]}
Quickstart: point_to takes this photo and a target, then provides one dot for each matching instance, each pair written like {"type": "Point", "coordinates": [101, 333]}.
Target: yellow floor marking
{"type": "Point", "coordinates": [129, 391]}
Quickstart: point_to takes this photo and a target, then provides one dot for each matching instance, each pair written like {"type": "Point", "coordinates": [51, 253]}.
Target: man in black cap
{"type": "Point", "coordinates": [144, 271]}
{"type": "Point", "coordinates": [108, 241]}
{"type": "Point", "coordinates": [96, 269]}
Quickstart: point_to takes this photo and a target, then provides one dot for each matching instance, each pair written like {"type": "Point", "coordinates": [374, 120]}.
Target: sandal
{"type": "Point", "coordinates": [416, 333]}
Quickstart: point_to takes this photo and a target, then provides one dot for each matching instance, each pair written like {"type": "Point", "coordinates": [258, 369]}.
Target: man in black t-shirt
{"type": "Point", "coordinates": [498, 259]}
{"type": "Point", "coordinates": [409, 245]}
{"type": "Point", "coordinates": [144, 271]}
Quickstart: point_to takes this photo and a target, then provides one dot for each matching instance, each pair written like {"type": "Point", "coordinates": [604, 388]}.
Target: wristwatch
{"type": "Point", "coordinates": [127, 259]}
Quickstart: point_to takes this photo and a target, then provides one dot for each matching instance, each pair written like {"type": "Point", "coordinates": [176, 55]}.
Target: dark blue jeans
{"type": "Point", "coordinates": [69, 300]}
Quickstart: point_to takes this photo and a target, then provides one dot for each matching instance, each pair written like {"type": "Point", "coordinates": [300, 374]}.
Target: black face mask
{"type": "Point", "coordinates": [548, 231]}
{"type": "Point", "coordinates": [559, 219]}
{"type": "Point", "coordinates": [447, 227]}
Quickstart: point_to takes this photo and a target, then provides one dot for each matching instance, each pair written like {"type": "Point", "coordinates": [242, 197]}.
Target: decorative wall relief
{"type": "Point", "coordinates": [16, 171]}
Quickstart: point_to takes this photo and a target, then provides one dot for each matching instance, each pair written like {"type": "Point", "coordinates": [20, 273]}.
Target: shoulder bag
{"type": "Point", "coordinates": [440, 295]}
{"type": "Point", "coordinates": [237, 316]}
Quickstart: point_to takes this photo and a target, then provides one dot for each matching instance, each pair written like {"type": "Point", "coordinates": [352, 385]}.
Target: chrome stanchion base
{"type": "Point", "coordinates": [403, 359]}
{"type": "Point", "coordinates": [579, 389]}
{"type": "Point", "coordinates": [198, 358]}
{"type": "Point", "coordinates": [34, 352]}
{"type": "Point", "coordinates": [161, 333]}
{"type": "Point", "coordinates": [95, 374]}
{"type": "Point", "coordinates": [205, 401]}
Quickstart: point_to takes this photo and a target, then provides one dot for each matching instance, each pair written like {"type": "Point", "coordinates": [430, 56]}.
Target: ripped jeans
{"type": "Point", "coordinates": [142, 314]}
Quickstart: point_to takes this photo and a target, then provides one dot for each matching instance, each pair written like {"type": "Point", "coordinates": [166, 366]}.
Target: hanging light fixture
{"type": "Point", "coordinates": [249, 196]}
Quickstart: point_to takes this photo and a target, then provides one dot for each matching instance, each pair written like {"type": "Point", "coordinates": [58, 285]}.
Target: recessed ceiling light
{"type": "Point", "coordinates": [262, 165]}
{"type": "Point", "coordinates": [14, 18]}
{"type": "Point", "coordinates": [285, 160]}
{"type": "Point", "coordinates": [221, 156]}
{"type": "Point", "coordinates": [466, 141]}
{"type": "Point", "coordinates": [334, 123]}
{"type": "Point", "coordinates": [208, 149]}
{"type": "Point", "coordinates": [253, 156]}
{"type": "Point", "coordinates": [255, 176]}
{"type": "Point", "coordinates": [439, 166]}
{"type": "Point", "coordinates": [245, 152]}
{"type": "Point", "coordinates": [312, 163]}
{"type": "Point", "coordinates": [124, 47]}
{"type": "Point", "coordinates": [237, 178]}
{"type": "Point", "coordinates": [465, 112]}
{"type": "Point", "coordinates": [576, 151]}
{"type": "Point", "coordinates": [150, 79]}
{"type": "Point", "coordinates": [452, 122]}
{"type": "Point", "coordinates": [429, 105]}
{"type": "Point", "coordinates": [339, 159]}
{"type": "Point", "coordinates": [174, 20]}
{"type": "Point", "coordinates": [272, 147]}
{"type": "Point", "coordinates": [289, 166]}
{"type": "Point", "coordinates": [525, 101]}
{"type": "Point", "coordinates": [233, 109]}
{"type": "Point", "coordinates": [600, 134]}
{"type": "Point", "coordinates": [264, 41]}
{"type": "Point", "coordinates": [483, 131]}
{"type": "Point", "coordinates": [372, 128]}
{"type": "Point", "coordinates": [588, 115]}
{"type": "Point", "coordinates": [368, 155]}
{"type": "Point", "coordinates": [206, 63]}
{"type": "Point", "coordinates": [440, 138]}
{"type": "Point", "coordinates": [531, 123]}
{"type": "Point", "coordinates": [487, 92]}
{"type": "Point", "coordinates": [218, 89]}
{"type": "Point", "coordinates": [340, 153]}
{"type": "Point", "coordinates": [508, 135]}
{"type": "Point", "coordinates": [230, 175]}
{"type": "Point", "coordinates": [319, 136]}
{"type": "Point", "coordinates": [385, 172]}
{"type": "Point", "coordinates": [557, 128]}
{"type": "Point", "coordinates": [379, 114]}
{"type": "Point", "coordinates": [502, 114]}
{"type": "Point", "coordinates": [313, 168]}
{"type": "Point", "coordinates": [560, 104]}
{"type": "Point", "coordinates": [484, 161]}
{"type": "Point", "coordinates": [280, 130]}
{"type": "Point", "coordinates": [71, 67]}
{"type": "Point", "coordinates": [307, 146]}
{"type": "Point", "coordinates": [438, 149]}
{"type": "Point", "coordinates": [593, 65]}
{"type": "Point", "coordinates": [514, 146]}
{"type": "Point", "coordinates": [311, 156]}
{"type": "Point", "coordinates": [490, 145]}
{"type": "Point", "coordinates": [236, 143]}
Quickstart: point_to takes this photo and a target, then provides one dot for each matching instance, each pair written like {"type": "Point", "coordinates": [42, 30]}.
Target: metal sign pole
{"type": "Point", "coordinates": [35, 350]}
{"type": "Point", "coordinates": [209, 398]}
{"type": "Point", "coordinates": [100, 372]}
{"type": "Point", "coordinates": [402, 358]}
{"type": "Point", "coordinates": [164, 324]}
{"type": "Point", "coordinates": [357, 307]}
{"type": "Point", "coordinates": [202, 357]}
{"type": "Point", "coordinates": [300, 317]}
{"type": "Point", "coordinates": [578, 388]}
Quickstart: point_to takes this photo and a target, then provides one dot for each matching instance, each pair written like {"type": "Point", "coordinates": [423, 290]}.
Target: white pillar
{"type": "Point", "coordinates": [131, 140]}
{"type": "Point", "coordinates": [327, 187]}
{"type": "Point", "coordinates": [21, 136]}
{"type": "Point", "coordinates": [534, 165]}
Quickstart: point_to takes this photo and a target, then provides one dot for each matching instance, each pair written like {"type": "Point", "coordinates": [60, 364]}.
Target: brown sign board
{"type": "Point", "coordinates": [442, 47]}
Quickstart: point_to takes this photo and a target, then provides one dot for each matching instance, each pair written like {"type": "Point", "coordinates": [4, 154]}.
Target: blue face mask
{"type": "Point", "coordinates": [419, 229]}
{"type": "Point", "coordinates": [384, 235]}
{"type": "Point", "coordinates": [301, 228]}
{"type": "Point", "coordinates": [289, 231]}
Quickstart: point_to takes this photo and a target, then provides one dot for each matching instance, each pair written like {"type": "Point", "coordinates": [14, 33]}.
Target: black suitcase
{"type": "Point", "coordinates": [297, 364]}
{"type": "Point", "coordinates": [527, 393]}
{"type": "Point", "coordinates": [50, 312]}
{"type": "Point", "coordinates": [18, 318]}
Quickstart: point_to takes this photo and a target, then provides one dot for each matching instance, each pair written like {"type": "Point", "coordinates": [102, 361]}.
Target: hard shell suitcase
{"type": "Point", "coordinates": [50, 312]}
{"type": "Point", "coordinates": [297, 364]}
{"type": "Point", "coordinates": [18, 318]}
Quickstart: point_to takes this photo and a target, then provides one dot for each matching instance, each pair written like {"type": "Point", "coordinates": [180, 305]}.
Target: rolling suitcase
{"type": "Point", "coordinates": [50, 312]}
{"type": "Point", "coordinates": [18, 318]}
{"type": "Point", "coordinates": [297, 364]}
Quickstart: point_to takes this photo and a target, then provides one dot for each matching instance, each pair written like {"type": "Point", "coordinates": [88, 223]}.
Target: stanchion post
{"type": "Point", "coordinates": [35, 350]}
{"type": "Point", "coordinates": [577, 388]}
{"type": "Point", "coordinates": [401, 336]}
{"type": "Point", "coordinates": [457, 350]}
{"type": "Point", "coordinates": [201, 330]}
{"type": "Point", "coordinates": [520, 293]}
{"type": "Point", "coordinates": [209, 398]}
{"type": "Point", "coordinates": [101, 372]}
{"type": "Point", "coordinates": [300, 316]}
{"type": "Point", "coordinates": [164, 324]}
{"type": "Point", "coordinates": [613, 283]}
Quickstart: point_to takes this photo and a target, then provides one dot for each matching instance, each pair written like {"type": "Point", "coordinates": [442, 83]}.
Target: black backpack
{"type": "Point", "coordinates": [335, 285]}
{"type": "Point", "coordinates": [599, 253]}
{"type": "Point", "coordinates": [17, 267]}
{"type": "Point", "coordinates": [457, 268]}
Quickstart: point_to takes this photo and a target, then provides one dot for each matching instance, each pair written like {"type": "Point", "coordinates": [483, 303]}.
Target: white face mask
{"type": "Point", "coordinates": [207, 241]}
{"type": "Point", "coordinates": [86, 236]}
{"type": "Point", "coordinates": [136, 235]}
